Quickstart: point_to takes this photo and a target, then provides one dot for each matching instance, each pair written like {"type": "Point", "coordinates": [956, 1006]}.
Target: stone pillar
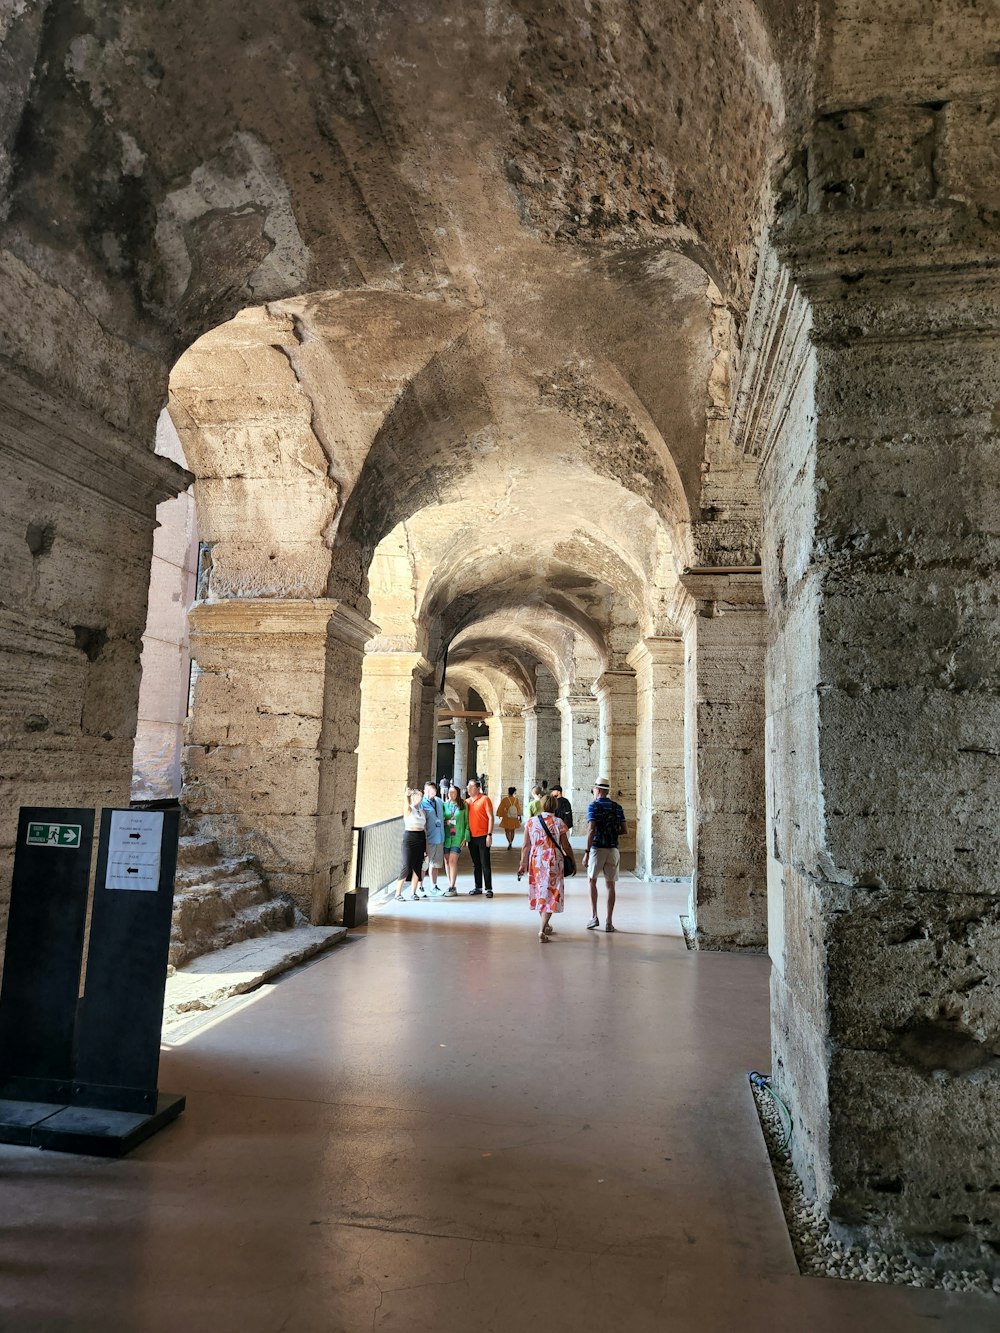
{"type": "Point", "coordinates": [729, 886]}
{"type": "Point", "coordinates": [270, 761]}
{"type": "Point", "coordinates": [548, 725]}
{"type": "Point", "coordinates": [494, 760]}
{"type": "Point", "coordinates": [461, 729]}
{"type": "Point", "coordinates": [512, 761]}
{"type": "Point", "coordinates": [76, 540]}
{"type": "Point", "coordinates": [431, 701]}
{"type": "Point", "coordinates": [529, 772]}
{"type": "Point", "coordinates": [580, 724]}
{"type": "Point", "coordinates": [393, 705]}
{"type": "Point", "coordinates": [482, 756]}
{"type": "Point", "coordinates": [548, 754]}
{"type": "Point", "coordinates": [166, 657]}
{"type": "Point", "coordinates": [619, 704]}
{"type": "Point", "coordinates": [881, 490]}
{"type": "Point", "coordinates": [662, 848]}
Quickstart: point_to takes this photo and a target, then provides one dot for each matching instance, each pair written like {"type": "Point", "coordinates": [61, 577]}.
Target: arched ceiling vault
{"type": "Point", "coordinates": [532, 638]}
{"type": "Point", "coordinates": [500, 685]}
{"type": "Point", "coordinates": [432, 583]}
{"type": "Point", "coordinates": [524, 319]}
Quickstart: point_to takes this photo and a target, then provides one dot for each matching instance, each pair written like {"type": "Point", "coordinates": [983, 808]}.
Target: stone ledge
{"type": "Point", "coordinates": [215, 977]}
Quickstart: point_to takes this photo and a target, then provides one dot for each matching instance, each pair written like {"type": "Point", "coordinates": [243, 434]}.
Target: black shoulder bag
{"type": "Point", "coordinates": [569, 862]}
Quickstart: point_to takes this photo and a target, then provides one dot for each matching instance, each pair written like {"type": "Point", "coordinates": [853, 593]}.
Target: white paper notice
{"type": "Point", "coordinates": [134, 850]}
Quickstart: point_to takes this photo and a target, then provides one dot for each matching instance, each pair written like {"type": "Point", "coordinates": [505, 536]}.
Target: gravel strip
{"type": "Point", "coordinates": [819, 1254]}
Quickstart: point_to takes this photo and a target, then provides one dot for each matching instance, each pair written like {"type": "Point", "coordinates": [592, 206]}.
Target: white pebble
{"type": "Point", "coordinates": [819, 1252]}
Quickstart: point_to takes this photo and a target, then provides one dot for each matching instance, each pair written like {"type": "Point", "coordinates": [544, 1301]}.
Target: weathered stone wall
{"type": "Point", "coordinates": [79, 503]}
{"type": "Point", "coordinates": [617, 750]}
{"type": "Point", "coordinates": [506, 754]}
{"type": "Point", "coordinates": [662, 845]}
{"type": "Point", "coordinates": [271, 762]}
{"type": "Point", "coordinates": [390, 750]}
{"type": "Point", "coordinates": [166, 652]}
{"type": "Point", "coordinates": [880, 494]}
{"type": "Point", "coordinates": [548, 760]}
{"type": "Point", "coordinates": [729, 885]}
{"type": "Point", "coordinates": [580, 713]}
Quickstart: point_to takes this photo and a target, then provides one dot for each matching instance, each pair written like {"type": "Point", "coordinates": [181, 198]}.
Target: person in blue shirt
{"type": "Point", "coordinates": [605, 825]}
{"type": "Point", "coordinates": [433, 808]}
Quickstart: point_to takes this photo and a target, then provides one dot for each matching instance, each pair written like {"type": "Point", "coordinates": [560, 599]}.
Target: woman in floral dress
{"type": "Point", "coordinates": [542, 858]}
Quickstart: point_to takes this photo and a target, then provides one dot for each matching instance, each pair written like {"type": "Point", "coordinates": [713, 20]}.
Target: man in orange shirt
{"type": "Point", "coordinates": [480, 809]}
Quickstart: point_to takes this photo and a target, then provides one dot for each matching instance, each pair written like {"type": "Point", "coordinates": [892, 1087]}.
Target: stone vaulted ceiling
{"type": "Point", "coordinates": [477, 258]}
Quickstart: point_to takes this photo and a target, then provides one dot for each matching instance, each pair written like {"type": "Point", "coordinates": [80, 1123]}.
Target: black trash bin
{"type": "Point", "coordinates": [356, 907]}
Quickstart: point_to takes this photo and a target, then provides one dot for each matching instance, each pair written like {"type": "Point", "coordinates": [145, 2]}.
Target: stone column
{"type": "Point", "coordinates": [580, 724]}
{"type": "Point", "coordinates": [509, 771]}
{"type": "Point", "coordinates": [619, 704]}
{"type": "Point", "coordinates": [729, 886]}
{"type": "Point", "coordinates": [461, 729]}
{"type": "Point", "coordinates": [270, 761]}
{"type": "Point", "coordinates": [548, 754]}
{"type": "Point", "coordinates": [495, 759]}
{"type": "Point", "coordinates": [393, 706]}
{"type": "Point", "coordinates": [881, 490]}
{"type": "Point", "coordinates": [529, 772]}
{"type": "Point", "coordinates": [431, 701]}
{"type": "Point", "coordinates": [662, 848]}
{"type": "Point", "coordinates": [482, 755]}
{"type": "Point", "coordinates": [76, 540]}
{"type": "Point", "coordinates": [166, 657]}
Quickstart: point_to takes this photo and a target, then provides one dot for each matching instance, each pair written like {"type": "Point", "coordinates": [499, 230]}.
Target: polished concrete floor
{"type": "Point", "coordinates": [446, 1127]}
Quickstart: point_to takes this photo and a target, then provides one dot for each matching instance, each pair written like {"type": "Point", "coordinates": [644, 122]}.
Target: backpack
{"type": "Point", "coordinates": [607, 822]}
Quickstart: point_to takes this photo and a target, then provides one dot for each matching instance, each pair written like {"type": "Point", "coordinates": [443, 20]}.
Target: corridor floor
{"type": "Point", "coordinates": [446, 1127]}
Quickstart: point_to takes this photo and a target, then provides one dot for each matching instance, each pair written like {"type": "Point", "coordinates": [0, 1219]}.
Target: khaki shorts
{"type": "Point", "coordinates": [435, 855]}
{"type": "Point", "coordinates": [603, 860]}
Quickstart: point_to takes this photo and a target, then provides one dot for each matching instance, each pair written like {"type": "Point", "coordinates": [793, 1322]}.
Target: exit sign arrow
{"type": "Point", "coordinates": [54, 835]}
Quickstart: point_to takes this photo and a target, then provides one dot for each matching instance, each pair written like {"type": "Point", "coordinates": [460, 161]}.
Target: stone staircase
{"type": "Point", "coordinates": [220, 900]}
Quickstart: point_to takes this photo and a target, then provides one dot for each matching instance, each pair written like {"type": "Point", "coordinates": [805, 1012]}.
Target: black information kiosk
{"type": "Point", "coordinates": [79, 1074]}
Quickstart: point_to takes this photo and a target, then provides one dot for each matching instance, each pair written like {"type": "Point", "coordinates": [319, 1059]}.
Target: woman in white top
{"type": "Point", "coordinates": [414, 846]}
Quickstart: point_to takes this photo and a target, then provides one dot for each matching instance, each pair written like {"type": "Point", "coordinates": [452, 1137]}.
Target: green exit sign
{"type": "Point", "coordinates": [53, 835]}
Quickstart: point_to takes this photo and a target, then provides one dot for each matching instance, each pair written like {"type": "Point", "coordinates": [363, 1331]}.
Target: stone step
{"type": "Point", "coordinates": [212, 979]}
{"type": "Point", "coordinates": [197, 850]}
{"type": "Point", "coordinates": [219, 927]}
{"type": "Point", "coordinates": [220, 896]}
{"type": "Point", "coordinates": [245, 892]}
{"type": "Point", "coordinates": [226, 869]}
{"type": "Point", "coordinates": [205, 903]}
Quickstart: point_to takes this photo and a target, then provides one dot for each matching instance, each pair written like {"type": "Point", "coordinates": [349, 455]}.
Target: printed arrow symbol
{"type": "Point", "coordinates": [68, 835]}
{"type": "Point", "coordinates": [132, 870]}
{"type": "Point", "coordinates": [135, 835]}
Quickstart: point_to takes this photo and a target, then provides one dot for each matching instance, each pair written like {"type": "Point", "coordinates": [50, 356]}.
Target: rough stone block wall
{"type": "Point", "coordinates": [908, 725]}
{"type": "Point", "coordinates": [548, 753]}
{"type": "Point", "coordinates": [619, 762]}
{"type": "Point", "coordinates": [389, 753]}
{"type": "Point", "coordinates": [662, 842]}
{"type": "Point", "coordinates": [506, 755]}
{"type": "Point", "coordinates": [580, 742]}
{"type": "Point", "coordinates": [794, 787]}
{"type": "Point", "coordinates": [77, 541]}
{"type": "Point", "coordinates": [881, 533]}
{"type": "Point", "coordinates": [166, 653]}
{"type": "Point", "coordinates": [729, 889]}
{"type": "Point", "coordinates": [255, 762]}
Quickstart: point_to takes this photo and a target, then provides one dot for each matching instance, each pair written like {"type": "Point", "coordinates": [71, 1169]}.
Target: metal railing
{"type": "Point", "coordinates": [376, 854]}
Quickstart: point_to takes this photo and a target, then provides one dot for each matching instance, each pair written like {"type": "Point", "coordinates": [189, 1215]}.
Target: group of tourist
{"type": "Point", "coordinates": [434, 833]}
{"type": "Point", "coordinates": [436, 830]}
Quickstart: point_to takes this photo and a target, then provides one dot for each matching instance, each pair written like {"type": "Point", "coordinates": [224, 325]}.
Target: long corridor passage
{"type": "Point", "coordinates": [445, 1126]}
